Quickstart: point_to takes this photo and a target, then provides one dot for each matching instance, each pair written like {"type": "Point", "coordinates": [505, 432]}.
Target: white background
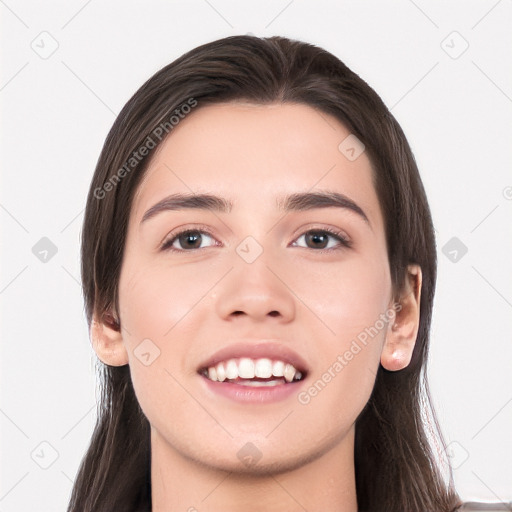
{"type": "Point", "coordinates": [454, 107]}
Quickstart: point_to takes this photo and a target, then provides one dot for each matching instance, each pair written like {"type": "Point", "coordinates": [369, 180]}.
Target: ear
{"type": "Point", "coordinates": [107, 340]}
{"type": "Point", "coordinates": [403, 329]}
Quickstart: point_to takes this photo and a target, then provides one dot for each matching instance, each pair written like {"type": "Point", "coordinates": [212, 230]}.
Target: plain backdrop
{"type": "Point", "coordinates": [67, 68]}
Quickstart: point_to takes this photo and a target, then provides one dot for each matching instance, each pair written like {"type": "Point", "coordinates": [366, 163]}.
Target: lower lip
{"type": "Point", "coordinates": [252, 394]}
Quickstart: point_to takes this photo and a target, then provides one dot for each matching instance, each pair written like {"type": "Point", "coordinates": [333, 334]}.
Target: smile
{"type": "Point", "coordinates": [260, 372]}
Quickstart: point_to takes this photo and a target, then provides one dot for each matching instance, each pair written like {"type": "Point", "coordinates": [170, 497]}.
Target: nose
{"type": "Point", "coordinates": [255, 291]}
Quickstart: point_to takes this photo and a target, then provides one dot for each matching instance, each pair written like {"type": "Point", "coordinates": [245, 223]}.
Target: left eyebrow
{"type": "Point", "coordinates": [322, 199]}
{"type": "Point", "coordinates": [293, 202]}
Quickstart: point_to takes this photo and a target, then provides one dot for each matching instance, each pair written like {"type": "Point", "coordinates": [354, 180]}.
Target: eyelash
{"type": "Point", "coordinates": [344, 242]}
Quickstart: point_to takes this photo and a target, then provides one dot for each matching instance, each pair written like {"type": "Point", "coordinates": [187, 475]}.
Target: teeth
{"type": "Point", "coordinates": [263, 368]}
{"type": "Point", "coordinates": [221, 372]}
{"type": "Point", "coordinates": [289, 372]}
{"type": "Point", "coordinates": [231, 369]}
{"type": "Point", "coordinates": [247, 368]}
{"type": "Point", "coordinates": [258, 384]}
{"type": "Point", "coordinates": [278, 369]}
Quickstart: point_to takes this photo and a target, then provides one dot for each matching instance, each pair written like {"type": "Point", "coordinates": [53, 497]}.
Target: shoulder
{"type": "Point", "coordinates": [478, 506]}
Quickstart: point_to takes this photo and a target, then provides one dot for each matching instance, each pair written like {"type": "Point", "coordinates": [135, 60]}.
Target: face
{"type": "Point", "coordinates": [311, 282]}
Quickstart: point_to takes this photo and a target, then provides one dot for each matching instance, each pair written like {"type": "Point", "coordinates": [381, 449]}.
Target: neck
{"type": "Point", "coordinates": [180, 484]}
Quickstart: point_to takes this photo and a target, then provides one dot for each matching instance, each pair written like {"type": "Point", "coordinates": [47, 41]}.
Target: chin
{"type": "Point", "coordinates": [247, 466]}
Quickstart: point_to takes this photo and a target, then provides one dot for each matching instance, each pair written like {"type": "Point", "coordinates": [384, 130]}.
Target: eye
{"type": "Point", "coordinates": [187, 238]}
{"type": "Point", "coordinates": [190, 239]}
{"type": "Point", "coordinates": [318, 238]}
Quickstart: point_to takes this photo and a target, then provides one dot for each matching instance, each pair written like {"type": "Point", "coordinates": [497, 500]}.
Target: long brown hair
{"type": "Point", "coordinates": [396, 467]}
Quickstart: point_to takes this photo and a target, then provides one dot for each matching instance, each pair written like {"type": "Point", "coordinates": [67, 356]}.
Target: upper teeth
{"type": "Point", "coordinates": [247, 368]}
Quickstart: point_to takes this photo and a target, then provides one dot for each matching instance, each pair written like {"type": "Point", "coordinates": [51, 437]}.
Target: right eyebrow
{"type": "Point", "coordinates": [189, 201]}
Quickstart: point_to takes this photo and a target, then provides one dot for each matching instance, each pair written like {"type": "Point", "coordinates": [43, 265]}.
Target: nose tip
{"type": "Point", "coordinates": [255, 291]}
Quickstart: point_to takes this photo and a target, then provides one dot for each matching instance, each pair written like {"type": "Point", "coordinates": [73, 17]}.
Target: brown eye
{"type": "Point", "coordinates": [188, 239]}
{"type": "Point", "coordinates": [319, 239]}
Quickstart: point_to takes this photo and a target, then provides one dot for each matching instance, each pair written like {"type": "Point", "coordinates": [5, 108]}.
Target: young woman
{"type": "Point", "coordinates": [259, 266]}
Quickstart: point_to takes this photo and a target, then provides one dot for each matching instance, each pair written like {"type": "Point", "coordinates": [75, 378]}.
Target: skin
{"type": "Point", "coordinates": [185, 303]}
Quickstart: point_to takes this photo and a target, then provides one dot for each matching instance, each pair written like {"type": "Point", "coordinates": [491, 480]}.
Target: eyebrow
{"type": "Point", "coordinates": [294, 202]}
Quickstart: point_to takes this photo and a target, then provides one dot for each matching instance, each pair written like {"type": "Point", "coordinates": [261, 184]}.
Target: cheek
{"type": "Point", "coordinates": [347, 297]}
{"type": "Point", "coordinates": [157, 297]}
{"type": "Point", "coordinates": [155, 304]}
{"type": "Point", "coordinates": [351, 301]}
{"type": "Point", "coordinates": [162, 307]}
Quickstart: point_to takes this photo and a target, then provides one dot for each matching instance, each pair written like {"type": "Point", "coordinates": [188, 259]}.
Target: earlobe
{"type": "Point", "coordinates": [403, 329]}
{"type": "Point", "coordinates": [107, 340]}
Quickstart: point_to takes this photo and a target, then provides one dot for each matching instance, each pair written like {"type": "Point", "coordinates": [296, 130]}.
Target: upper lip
{"type": "Point", "coordinates": [256, 350]}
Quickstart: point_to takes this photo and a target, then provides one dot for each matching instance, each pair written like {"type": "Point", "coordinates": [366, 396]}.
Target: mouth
{"type": "Point", "coordinates": [254, 372]}
{"type": "Point", "coordinates": [258, 372]}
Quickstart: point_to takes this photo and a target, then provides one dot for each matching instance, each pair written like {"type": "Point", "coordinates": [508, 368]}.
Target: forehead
{"type": "Point", "coordinates": [251, 154]}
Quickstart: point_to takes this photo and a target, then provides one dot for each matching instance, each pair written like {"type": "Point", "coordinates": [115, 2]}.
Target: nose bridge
{"type": "Point", "coordinates": [254, 286]}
